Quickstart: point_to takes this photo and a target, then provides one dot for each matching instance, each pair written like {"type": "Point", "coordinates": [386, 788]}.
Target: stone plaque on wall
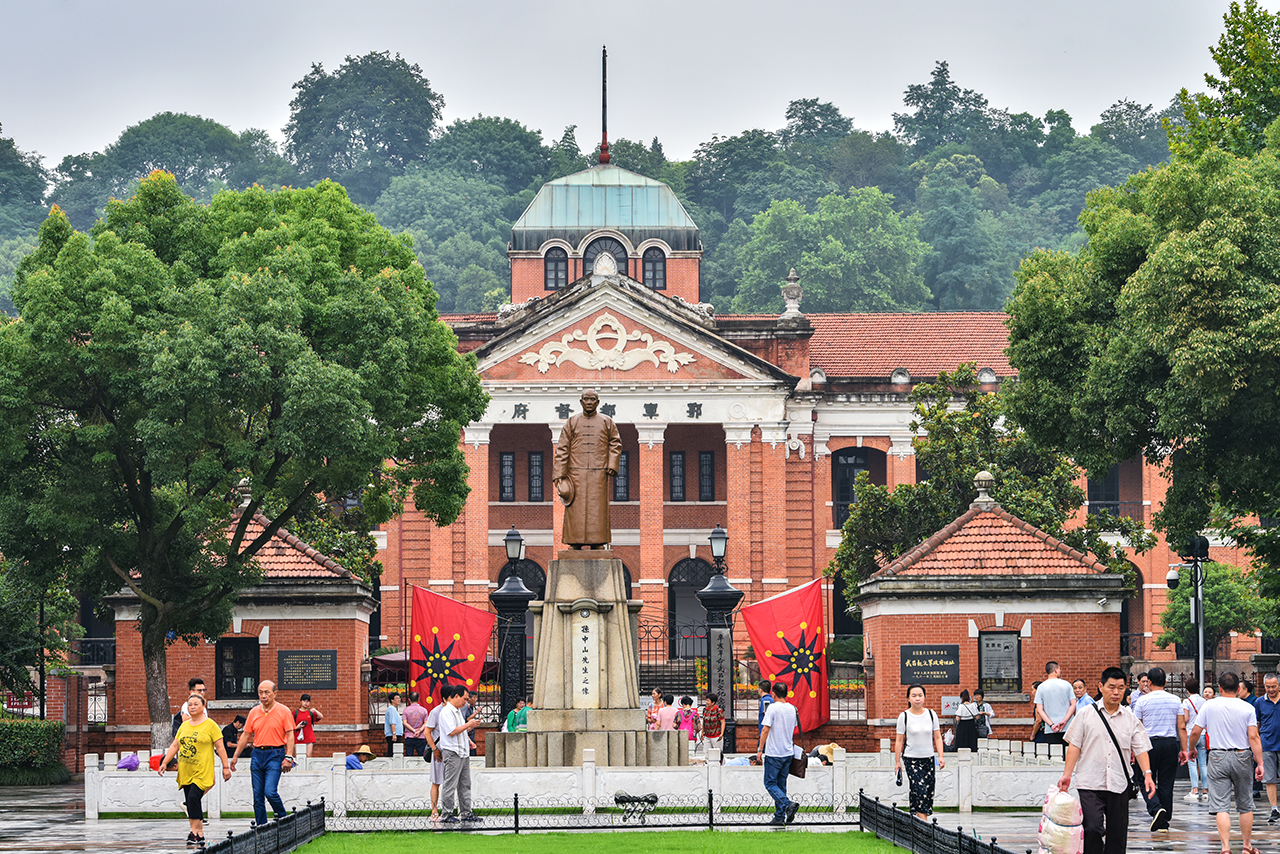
{"type": "Point", "coordinates": [307, 670]}
{"type": "Point", "coordinates": [931, 664]}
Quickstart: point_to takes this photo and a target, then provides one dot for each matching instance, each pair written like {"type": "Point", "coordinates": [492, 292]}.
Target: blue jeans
{"type": "Point", "coordinates": [264, 772]}
{"type": "Point", "coordinates": [776, 769]}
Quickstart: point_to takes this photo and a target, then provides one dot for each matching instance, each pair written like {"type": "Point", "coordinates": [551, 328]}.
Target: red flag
{"type": "Point", "coordinates": [790, 643]}
{"type": "Point", "coordinates": [449, 645]}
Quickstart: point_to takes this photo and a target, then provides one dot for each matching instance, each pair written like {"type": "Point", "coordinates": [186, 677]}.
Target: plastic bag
{"type": "Point", "coordinates": [1061, 824]}
{"type": "Point", "coordinates": [949, 737]}
{"type": "Point", "coordinates": [155, 761]}
{"type": "Point", "coordinates": [129, 763]}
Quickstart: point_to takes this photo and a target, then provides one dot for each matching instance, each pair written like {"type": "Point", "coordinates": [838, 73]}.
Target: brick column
{"type": "Point", "coordinates": [475, 558]}
{"type": "Point", "coordinates": [737, 454]}
{"type": "Point", "coordinates": [774, 487]}
{"type": "Point", "coordinates": [652, 519]}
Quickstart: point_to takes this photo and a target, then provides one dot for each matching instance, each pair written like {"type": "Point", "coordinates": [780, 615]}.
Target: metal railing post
{"type": "Point", "coordinates": [515, 799]}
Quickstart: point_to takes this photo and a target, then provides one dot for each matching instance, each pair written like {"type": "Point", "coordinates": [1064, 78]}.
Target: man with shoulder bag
{"type": "Point", "coordinates": [1099, 743]}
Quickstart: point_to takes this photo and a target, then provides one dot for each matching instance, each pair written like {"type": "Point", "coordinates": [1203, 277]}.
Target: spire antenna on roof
{"type": "Point", "coordinates": [604, 105]}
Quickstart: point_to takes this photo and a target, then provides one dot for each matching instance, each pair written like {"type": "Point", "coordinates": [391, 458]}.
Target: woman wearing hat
{"type": "Point", "coordinates": [363, 755]}
{"type": "Point", "coordinates": [198, 739]}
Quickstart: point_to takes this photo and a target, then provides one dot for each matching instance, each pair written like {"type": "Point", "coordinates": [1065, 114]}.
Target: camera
{"type": "Point", "coordinates": [1172, 578]}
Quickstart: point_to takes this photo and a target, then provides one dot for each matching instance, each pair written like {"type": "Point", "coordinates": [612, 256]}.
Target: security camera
{"type": "Point", "coordinates": [1172, 578]}
{"type": "Point", "coordinates": [1102, 603]}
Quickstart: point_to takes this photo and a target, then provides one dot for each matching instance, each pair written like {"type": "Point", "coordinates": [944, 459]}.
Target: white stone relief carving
{"type": "Point", "coordinates": [598, 356]}
{"type": "Point", "coordinates": [794, 444]}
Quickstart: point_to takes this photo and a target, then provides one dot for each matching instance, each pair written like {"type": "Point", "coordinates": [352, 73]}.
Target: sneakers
{"type": "Point", "coordinates": [776, 822]}
{"type": "Point", "coordinates": [1275, 816]}
{"type": "Point", "coordinates": [1191, 797]}
{"type": "Point", "coordinates": [192, 839]}
{"type": "Point", "coordinates": [792, 808]}
{"type": "Point", "coordinates": [452, 819]}
{"type": "Point", "coordinates": [1160, 819]}
{"type": "Point", "coordinates": [471, 817]}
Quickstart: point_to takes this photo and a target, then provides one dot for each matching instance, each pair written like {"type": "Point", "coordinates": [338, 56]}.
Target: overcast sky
{"type": "Point", "coordinates": [75, 73]}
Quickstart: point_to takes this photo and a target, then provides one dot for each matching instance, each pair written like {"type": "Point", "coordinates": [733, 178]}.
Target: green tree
{"type": "Point", "coordinates": [1246, 97]}
{"type": "Point", "coordinates": [1135, 130]}
{"type": "Point", "coordinates": [502, 152]}
{"type": "Point", "coordinates": [1231, 604]}
{"type": "Point", "coordinates": [943, 112]}
{"type": "Point", "coordinates": [863, 159]}
{"type": "Point", "coordinates": [24, 183]}
{"type": "Point", "coordinates": [814, 124]}
{"type": "Point", "coordinates": [1160, 337]}
{"type": "Point", "coordinates": [853, 253]}
{"type": "Point", "coordinates": [12, 251]}
{"type": "Point", "coordinates": [39, 625]}
{"type": "Point", "coordinates": [202, 154]}
{"type": "Point", "coordinates": [276, 345]}
{"type": "Point", "coordinates": [965, 267]}
{"type": "Point", "coordinates": [725, 163]}
{"type": "Point", "coordinates": [363, 124]}
{"type": "Point", "coordinates": [962, 430]}
{"type": "Point", "coordinates": [1082, 165]}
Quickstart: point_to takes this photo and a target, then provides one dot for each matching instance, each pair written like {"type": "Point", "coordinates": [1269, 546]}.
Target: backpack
{"type": "Point", "coordinates": [177, 722]}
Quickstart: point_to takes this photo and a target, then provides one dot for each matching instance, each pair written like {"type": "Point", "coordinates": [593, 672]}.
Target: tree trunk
{"type": "Point", "coordinates": [155, 664]}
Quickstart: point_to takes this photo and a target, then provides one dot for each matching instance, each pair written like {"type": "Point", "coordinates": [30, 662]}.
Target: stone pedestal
{"type": "Point", "coordinates": [586, 693]}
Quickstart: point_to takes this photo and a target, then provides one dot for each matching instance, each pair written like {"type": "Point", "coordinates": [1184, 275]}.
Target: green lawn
{"type": "Point", "coordinates": [637, 842]}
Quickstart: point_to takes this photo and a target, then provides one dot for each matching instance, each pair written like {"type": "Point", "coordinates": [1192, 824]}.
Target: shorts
{"type": "Point", "coordinates": [1271, 766]}
{"type": "Point", "coordinates": [1230, 773]}
{"type": "Point", "coordinates": [437, 770]}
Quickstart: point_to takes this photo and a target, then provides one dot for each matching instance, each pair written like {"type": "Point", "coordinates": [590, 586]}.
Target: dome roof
{"type": "Point", "coordinates": [605, 197]}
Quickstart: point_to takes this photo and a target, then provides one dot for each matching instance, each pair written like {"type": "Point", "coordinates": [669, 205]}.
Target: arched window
{"type": "Point", "coordinates": [687, 619]}
{"type": "Point", "coordinates": [555, 266]}
{"type": "Point", "coordinates": [655, 269]}
{"type": "Point", "coordinates": [605, 244]}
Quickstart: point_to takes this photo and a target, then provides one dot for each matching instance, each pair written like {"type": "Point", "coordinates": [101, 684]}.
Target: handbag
{"type": "Point", "coordinates": [1135, 778]}
{"type": "Point", "coordinates": [799, 763]}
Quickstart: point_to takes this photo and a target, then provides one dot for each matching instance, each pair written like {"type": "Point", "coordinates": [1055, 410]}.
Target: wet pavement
{"type": "Point", "coordinates": [51, 818]}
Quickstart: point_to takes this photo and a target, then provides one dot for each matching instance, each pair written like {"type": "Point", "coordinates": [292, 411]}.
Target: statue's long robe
{"type": "Point", "coordinates": [589, 444]}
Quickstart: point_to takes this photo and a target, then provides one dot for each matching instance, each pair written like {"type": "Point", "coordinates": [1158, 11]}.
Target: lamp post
{"type": "Point", "coordinates": [1197, 554]}
{"type": "Point", "coordinates": [511, 600]}
{"type": "Point", "coordinates": [720, 598]}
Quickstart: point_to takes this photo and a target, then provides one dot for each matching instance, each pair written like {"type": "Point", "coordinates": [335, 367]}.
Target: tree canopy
{"type": "Point", "coordinates": [853, 253]}
{"type": "Point", "coordinates": [363, 124]}
{"type": "Point", "coordinates": [1231, 604]}
{"type": "Point", "coordinates": [962, 430]}
{"type": "Point", "coordinates": [1161, 336]}
{"type": "Point", "coordinates": [275, 346]}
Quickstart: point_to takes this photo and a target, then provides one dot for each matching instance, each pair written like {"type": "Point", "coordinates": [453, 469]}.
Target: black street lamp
{"type": "Point", "coordinates": [1197, 554]}
{"type": "Point", "coordinates": [720, 598]}
{"type": "Point", "coordinates": [511, 601]}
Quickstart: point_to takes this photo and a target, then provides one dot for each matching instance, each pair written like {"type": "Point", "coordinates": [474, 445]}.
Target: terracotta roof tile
{"type": "Point", "coordinates": [466, 318]}
{"type": "Point", "coordinates": [992, 542]}
{"type": "Point", "coordinates": [286, 556]}
{"type": "Point", "coordinates": [875, 345]}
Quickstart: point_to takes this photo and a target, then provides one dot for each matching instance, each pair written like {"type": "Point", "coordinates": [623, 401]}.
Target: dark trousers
{"type": "Point", "coordinates": [414, 746]}
{"type": "Point", "coordinates": [1106, 821]}
{"type": "Point", "coordinates": [1164, 766]}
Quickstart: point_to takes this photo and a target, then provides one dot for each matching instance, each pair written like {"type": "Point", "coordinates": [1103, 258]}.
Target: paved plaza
{"type": "Point", "coordinates": [51, 818]}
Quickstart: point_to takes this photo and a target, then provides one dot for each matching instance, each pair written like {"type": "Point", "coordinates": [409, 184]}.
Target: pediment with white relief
{"type": "Point", "coordinates": [606, 337]}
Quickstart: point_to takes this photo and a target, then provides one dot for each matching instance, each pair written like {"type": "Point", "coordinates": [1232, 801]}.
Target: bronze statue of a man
{"type": "Point", "coordinates": [587, 455]}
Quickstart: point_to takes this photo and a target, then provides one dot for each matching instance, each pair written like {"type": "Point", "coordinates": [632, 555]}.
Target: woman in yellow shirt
{"type": "Point", "coordinates": [195, 744]}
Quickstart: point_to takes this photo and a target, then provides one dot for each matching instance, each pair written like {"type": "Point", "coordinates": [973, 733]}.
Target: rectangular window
{"type": "Point", "coordinates": [706, 475]}
{"type": "Point", "coordinates": [999, 662]}
{"type": "Point", "coordinates": [237, 668]}
{"type": "Point", "coordinates": [622, 483]}
{"type": "Point", "coordinates": [1104, 494]}
{"type": "Point", "coordinates": [507, 476]}
{"type": "Point", "coordinates": [535, 475]}
{"type": "Point", "coordinates": [677, 475]}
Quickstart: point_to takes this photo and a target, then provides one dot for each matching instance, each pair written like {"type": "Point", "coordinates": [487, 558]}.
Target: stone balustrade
{"type": "Point", "coordinates": [999, 774]}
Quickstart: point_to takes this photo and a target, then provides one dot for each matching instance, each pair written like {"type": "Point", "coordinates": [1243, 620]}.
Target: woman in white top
{"type": "Point", "coordinates": [918, 747]}
{"type": "Point", "coordinates": [1198, 769]}
{"type": "Point", "coordinates": [966, 723]}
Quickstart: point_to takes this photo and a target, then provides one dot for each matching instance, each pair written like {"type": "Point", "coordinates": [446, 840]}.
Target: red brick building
{"type": "Point", "coordinates": [308, 616]}
{"type": "Point", "coordinates": [985, 603]}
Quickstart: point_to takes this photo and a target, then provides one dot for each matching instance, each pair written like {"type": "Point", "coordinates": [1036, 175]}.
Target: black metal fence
{"type": "Point", "coordinates": [921, 837]}
{"type": "Point", "coordinates": [276, 837]}
{"type": "Point", "coordinates": [620, 812]}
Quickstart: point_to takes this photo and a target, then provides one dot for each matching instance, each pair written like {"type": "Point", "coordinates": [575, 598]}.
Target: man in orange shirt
{"type": "Point", "coordinates": [270, 729]}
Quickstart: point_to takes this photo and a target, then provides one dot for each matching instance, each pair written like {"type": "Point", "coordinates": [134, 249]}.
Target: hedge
{"type": "Point", "coordinates": [30, 742]}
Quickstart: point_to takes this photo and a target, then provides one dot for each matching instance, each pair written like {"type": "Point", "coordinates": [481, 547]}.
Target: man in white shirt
{"type": "Point", "coordinates": [776, 747]}
{"type": "Point", "coordinates": [1103, 781]}
{"type": "Point", "coordinates": [1235, 757]}
{"type": "Point", "coordinates": [1055, 703]}
{"type": "Point", "coordinates": [1161, 715]}
{"type": "Point", "coordinates": [455, 744]}
{"type": "Point", "coordinates": [434, 754]}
